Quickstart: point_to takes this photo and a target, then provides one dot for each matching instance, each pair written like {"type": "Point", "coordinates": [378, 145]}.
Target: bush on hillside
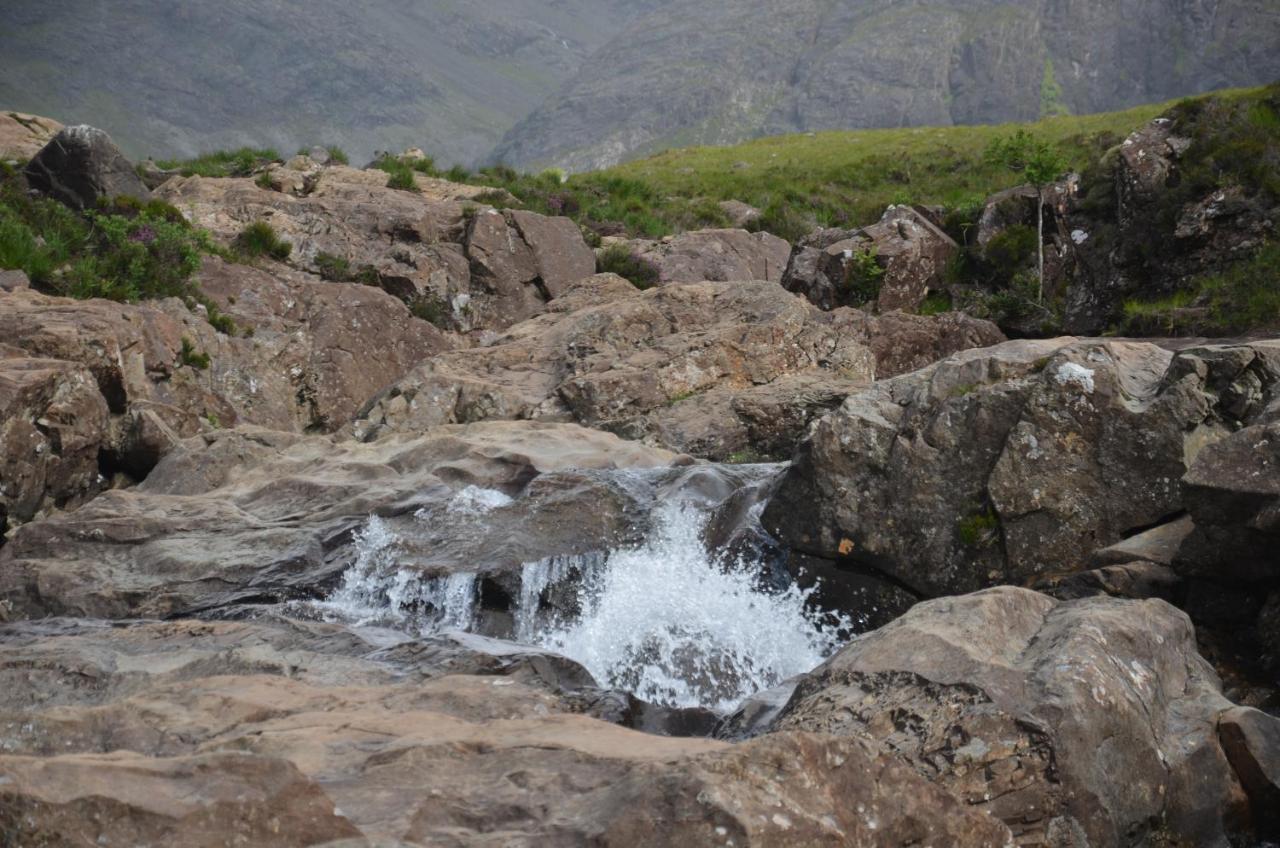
{"type": "Point", "coordinates": [259, 239]}
{"type": "Point", "coordinates": [621, 260]}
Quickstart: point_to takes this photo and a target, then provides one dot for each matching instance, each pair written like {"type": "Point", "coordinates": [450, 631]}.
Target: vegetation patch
{"type": "Point", "coordinates": [979, 530]}
{"type": "Point", "coordinates": [1245, 296]}
{"type": "Point", "coordinates": [258, 240]}
{"type": "Point", "coordinates": [863, 276]}
{"type": "Point", "coordinates": [190, 356]}
{"type": "Point", "coordinates": [622, 260]}
{"type": "Point", "coordinates": [223, 163]}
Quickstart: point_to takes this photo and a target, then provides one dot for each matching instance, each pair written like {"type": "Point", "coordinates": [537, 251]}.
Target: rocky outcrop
{"type": "Point", "coordinates": [253, 516]}
{"type": "Point", "coordinates": [53, 422]}
{"type": "Point", "coordinates": [716, 256]}
{"type": "Point", "coordinates": [702, 368]}
{"type": "Point", "coordinates": [1090, 722]}
{"type": "Point", "coordinates": [82, 166]}
{"type": "Point", "coordinates": [893, 264]}
{"type": "Point", "coordinates": [311, 732]}
{"type": "Point", "coordinates": [1004, 464]}
{"type": "Point", "coordinates": [22, 136]}
{"type": "Point", "coordinates": [93, 388]}
{"type": "Point", "coordinates": [464, 266]}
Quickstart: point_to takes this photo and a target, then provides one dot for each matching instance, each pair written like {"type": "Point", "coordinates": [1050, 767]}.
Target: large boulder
{"type": "Point", "coordinates": [82, 166]}
{"type": "Point", "coordinates": [1000, 465]}
{"type": "Point", "coordinates": [694, 367]}
{"type": "Point", "coordinates": [463, 265]}
{"type": "Point", "coordinates": [1083, 723]}
{"type": "Point", "coordinates": [910, 251]}
{"type": "Point", "coordinates": [716, 255]}
{"type": "Point", "coordinates": [309, 732]}
{"type": "Point", "coordinates": [53, 423]}
{"type": "Point", "coordinates": [22, 136]}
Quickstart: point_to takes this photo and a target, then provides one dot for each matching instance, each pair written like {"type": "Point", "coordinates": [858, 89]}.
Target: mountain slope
{"type": "Point", "coordinates": [704, 72]}
{"type": "Point", "coordinates": [180, 78]}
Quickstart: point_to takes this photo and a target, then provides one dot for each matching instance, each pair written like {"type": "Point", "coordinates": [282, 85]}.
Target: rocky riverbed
{"type": "Point", "coordinates": [576, 564]}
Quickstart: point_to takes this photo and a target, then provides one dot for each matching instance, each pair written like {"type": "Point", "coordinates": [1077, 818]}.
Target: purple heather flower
{"type": "Point", "coordinates": [143, 235]}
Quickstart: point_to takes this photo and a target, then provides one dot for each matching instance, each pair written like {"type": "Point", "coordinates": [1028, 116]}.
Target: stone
{"type": "Point", "coordinates": [474, 275]}
{"type": "Point", "coordinates": [741, 215]}
{"type": "Point", "coordinates": [53, 423]}
{"type": "Point", "coordinates": [1251, 740]}
{"type": "Point", "coordinates": [716, 256]}
{"type": "Point", "coordinates": [12, 280]}
{"type": "Point", "coordinates": [1090, 722]}
{"type": "Point", "coordinates": [1004, 464]}
{"type": "Point", "coordinates": [1158, 545]}
{"type": "Point", "coordinates": [202, 801]}
{"type": "Point", "coordinates": [82, 166]}
{"type": "Point", "coordinates": [22, 136]}
{"type": "Point", "coordinates": [910, 249]}
{"type": "Point", "coordinates": [394, 739]}
{"type": "Point", "coordinates": [1233, 493]}
{"type": "Point", "coordinates": [705, 368]}
{"type": "Point", "coordinates": [1139, 580]}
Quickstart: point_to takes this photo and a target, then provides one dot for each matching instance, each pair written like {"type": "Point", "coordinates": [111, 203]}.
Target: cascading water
{"type": "Point", "coordinates": [664, 619]}
{"type": "Point", "coordinates": [667, 623]}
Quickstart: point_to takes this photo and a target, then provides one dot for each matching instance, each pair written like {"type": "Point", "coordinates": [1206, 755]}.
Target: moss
{"type": "Point", "coordinates": [979, 530]}
{"type": "Point", "coordinates": [190, 356]}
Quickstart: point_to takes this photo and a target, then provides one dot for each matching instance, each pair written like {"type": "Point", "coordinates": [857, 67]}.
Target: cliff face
{"type": "Point", "coordinates": [181, 78]}
{"type": "Point", "coordinates": [701, 72]}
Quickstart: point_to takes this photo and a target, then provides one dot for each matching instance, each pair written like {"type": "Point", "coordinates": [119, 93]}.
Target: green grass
{"type": "Point", "coordinates": [123, 251]}
{"type": "Point", "coordinates": [190, 356]}
{"type": "Point", "coordinates": [979, 530]}
{"type": "Point", "coordinates": [621, 260]}
{"type": "Point", "coordinates": [1243, 297]}
{"type": "Point", "coordinates": [223, 163]}
{"type": "Point", "coordinates": [259, 239]}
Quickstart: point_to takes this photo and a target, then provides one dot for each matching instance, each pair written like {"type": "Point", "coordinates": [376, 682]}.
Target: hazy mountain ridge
{"type": "Point", "coordinates": [178, 79]}
{"type": "Point", "coordinates": [715, 73]}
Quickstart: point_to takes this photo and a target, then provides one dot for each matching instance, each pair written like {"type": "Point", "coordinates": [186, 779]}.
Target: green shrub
{"type": "Point", "coordinates": [338, 155]}
{"type": "Point", "coordinates": [457, 174]}
{"type": "Point", "coordinates": [402, 180]}
{"type": "Point", "coordinates": [1008, 253]}
{"type": "Point", "coordinates": [333, 268]}
{"type": "Point", "coordinates": [863, 276]}
{"type": "Point", "coordinates": [621, 260]}
{"type": "Point", "coordinates": [431, 309]}
{"type": "Point", "coordinates": [264, 181]}
{"type": "Point", "coordinates": [259, 239]}
{"type": "Point", "coordinates": [190, 356]}
{"type": "Point", "coordinates": [1244, 296]}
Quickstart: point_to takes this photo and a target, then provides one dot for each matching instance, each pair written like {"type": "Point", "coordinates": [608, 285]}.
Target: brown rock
{"type": "Point", "coordinates": [717, 256]}
{"type": "Point", "coordinates": [698, 368]}
{"type": "Point", "coordinates": [22, 136]}
{"type": "Point", "coordinates": [417, 741]}
{"type": "Point", "coordinates": [1002, 464]}
{"type": "Point", "coordinates": [1077, 723]}
{"type": "Point", "coordinates": [1251, 740]}
{"type": "Point", "coordinates": [11, 280]}
{"type": "Point", "coordinates": [1158, 545]}
{"type": "Point", "coordinates": [204, 801]}
{"type": "Point", "coordinates": [53, 422]}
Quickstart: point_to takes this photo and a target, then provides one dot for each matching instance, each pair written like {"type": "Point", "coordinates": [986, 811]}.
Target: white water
{"type": "Point", "coordinates": [662, 620]}
{"type": "Point", "coordinates": [374, 592]}
{"type": "Point", "coordinates": [668, 624]}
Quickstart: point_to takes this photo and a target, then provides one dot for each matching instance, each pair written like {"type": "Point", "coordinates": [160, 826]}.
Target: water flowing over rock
{"type": "Point", "coordinates": [1020, 460]}
{"type": "Point", "coordinates": [707, 368]}
{"type": "Point", "coordinates": [249, 516]}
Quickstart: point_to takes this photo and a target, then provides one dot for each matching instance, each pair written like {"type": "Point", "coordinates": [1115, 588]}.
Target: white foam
{"type": "Point", "coordinates": [667, 623]}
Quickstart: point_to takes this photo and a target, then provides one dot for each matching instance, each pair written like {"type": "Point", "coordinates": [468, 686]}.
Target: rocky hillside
{"type": "Point", "coordinates": [702, 72]}
{"type": "Point", "coordinates": [180, 79]}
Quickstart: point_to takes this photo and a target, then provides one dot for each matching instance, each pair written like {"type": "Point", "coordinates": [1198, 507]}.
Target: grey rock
{"type": "Point", "coordinates": [82, 166]}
